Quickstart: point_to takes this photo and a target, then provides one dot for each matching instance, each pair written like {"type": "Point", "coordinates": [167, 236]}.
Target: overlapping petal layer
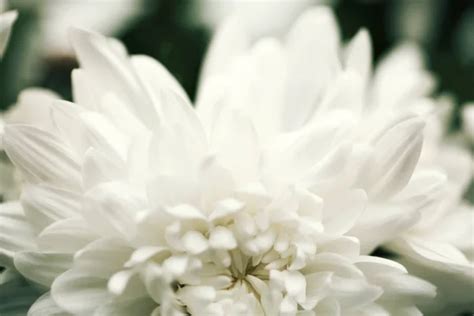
{"type": "Point", "coordinates": [266, 199]}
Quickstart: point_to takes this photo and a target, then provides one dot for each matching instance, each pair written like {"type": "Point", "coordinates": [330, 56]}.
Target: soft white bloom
{"type": "Point", "coordinates": [136, 204]}
{"type": "Point", "coordinates": [6, 21]}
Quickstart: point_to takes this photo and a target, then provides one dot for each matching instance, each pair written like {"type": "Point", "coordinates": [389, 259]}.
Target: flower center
{"type": "Point", "coordinates": [240, 274]}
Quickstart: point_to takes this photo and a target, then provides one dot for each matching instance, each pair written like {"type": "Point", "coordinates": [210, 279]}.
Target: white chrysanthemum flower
{"type": "Point", "coordinates": [135, 203]}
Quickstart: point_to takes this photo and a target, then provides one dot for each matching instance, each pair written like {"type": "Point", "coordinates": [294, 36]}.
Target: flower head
{"type": "Point", "coordinates": [136, 203]}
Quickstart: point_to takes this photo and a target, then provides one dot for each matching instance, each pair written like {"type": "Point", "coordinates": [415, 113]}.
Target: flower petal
{"type": "Point", "coordinates": [44, 204]}
{"type": "Point", "coordinates": [6, 21]}
{"type": "Point", "coordinates": [112, 72]}
{"type": "Point", "coordinates": [41, 157]}
{"type": "Point", "coordinates": [45, 305]}
{"type": "Point", "coordinates": [398, 151]}
{"type": "Point", "coordinates": [16, 234]}
{"type": "Point", "coordinates": [42, 268]}
{"type": "Point", "coordinates": [358, 54]}
{"type": "Point", "coordinates": [67, 236]}
{"type": "Point", "coordinates": [77, 292]}
{"type": "Point", "coordinates": [313, 48]}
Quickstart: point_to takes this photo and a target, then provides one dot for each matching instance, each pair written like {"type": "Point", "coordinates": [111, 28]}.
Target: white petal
{"type": "Point", "coordinates": [155, 282]}
{"type": "Point", "coordinates": [6, 21]}
{"type": "Point", "coordinates": [43, 204]}
{"type": "Point", "coordinates": [135, 306]}
{"type": "Point", "coordinates": [167, 191]}
{"type": "Point", "coordinates": [404, 287]}
{"type": "Point", "coordinates": [468, 120]}
{"type": "Point", "coordinates": [138, 165]}
{"type": "Point", "coordinates": [431, 251]}
{"type": "Point", "coordinates": [442, 265]}
{"type": "Point", "coordinates": [117, 112]}
{"type": "Point", "coordinates": [216, 182]}
{"type": "Point", "coordinates": [67, 235]}
{"type": "Point", "coordinates": [398, 152]}
{"type": "Point", "coordinates": [177, 109]}
{"type": "Point", "coordinates": [288, 306]}
{"type": "Point", "coordinates": [112, 72]}
{"type": "Point", "coordinates": [42, 268]}
{"type": "Point", "coordinates": [119, 281]}
{"type": "Point", "coordinates": [143, 254]}
{"type": "Point", "coordinates": [336, 264]}
{"type": "Point", "coordinates": [400, 76]}
{"type": "Point", "coordinates": [346, 246]}
{"type": "Point", "coordinates": [374, 228]}
{"type": "Point", "coordinates": [103, 135]}
{"type": "Point", "coordinates": [222, 238]}
{"type": "Point", "coordinates": [80, 293]}
{"type": "Point", "coordinates": [66, 118]}
{"type": "Point", "coordinates": [375, 265]}
{"type": "Point", "coordinates": [295, 285]}
{"type": "Point", "coordinates": [103, 257]}
{"type": "Point", "coordinates": [354, 292]}
{"type": "Point", "coordinates": [176, 265]}
{"type": "Point", "coordinates": [329, 307]}
{"type": "Point", "coordinates": [186, 211]}
{"type": "Point", "coordinates": [317, 288]}
{"type": "Point", "coordinates": [175, 150]}
{"type": "Point", "coordinates": [313, 48]}
{"type": "Point", "coordinates": [45, 305]}
{"type": "Point", "coordinates": [236, 143]}
{"type": "Point", "coordinates": [84, 92]}
{"type": "Point", "coordinates": [16, 234]}
{"type": "Point", "coordinates": [341, 212]}
{"type": "Point", "coordinates": [346, 92]}
{"type": "Point", "coordinates": [225, 208]}
{"type": "Point", "coordinates": [156, 78]}
{"type": "Point", "coordinates": [358, 54]}
{"type": "Point", "coordinates": [110, 208]}
{"type": "Point", "coordinates": [194, 242]}
{"type": "Point", "coordinates": [329, 169]}
{"type": "Point", "coordinates": [41, 156]}
{"type": "Point", "coordinates": [229, 42]}
{"type": "Point", "coordinates": [196, 297]}
{"type": "Point", "coordinates": [98, 167]}
{"type": "Point", "coordinates": [33, 108]}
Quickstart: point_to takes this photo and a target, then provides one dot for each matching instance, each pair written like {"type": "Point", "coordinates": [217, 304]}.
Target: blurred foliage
{"type": "Point", "coordinates": [165, 33]}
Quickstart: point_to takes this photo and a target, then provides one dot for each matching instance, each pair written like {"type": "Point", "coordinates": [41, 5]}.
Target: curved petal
{"type": "Point", "coordinates": [42, 268]}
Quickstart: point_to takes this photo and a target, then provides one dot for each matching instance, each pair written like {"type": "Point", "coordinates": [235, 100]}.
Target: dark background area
{"type": "Point", "coordinates": [165, 33]}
